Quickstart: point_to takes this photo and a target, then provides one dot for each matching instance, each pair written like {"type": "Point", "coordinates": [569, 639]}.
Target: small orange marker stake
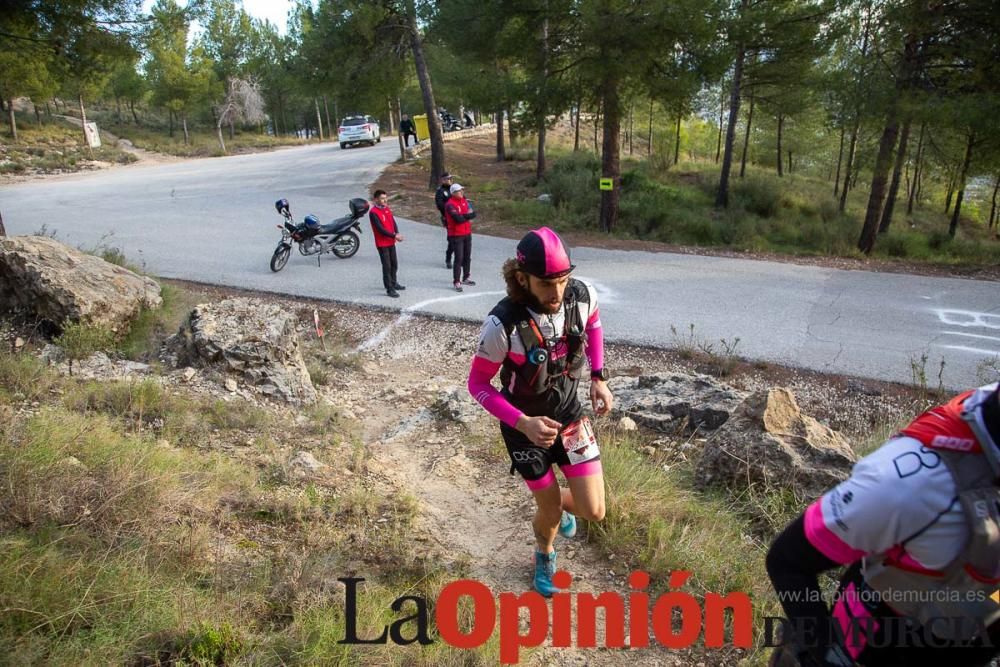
{"type": "Point", "coordinates": [319, 329]}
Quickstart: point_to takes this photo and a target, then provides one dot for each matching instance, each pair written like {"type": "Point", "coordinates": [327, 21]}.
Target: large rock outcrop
{"type": "Point", "coordinates": [673, 403]}
{"type": "Point", "coordinates": [250, 339]}
{"type": "Point", "coordinates": [769, 441]}
{"type": "Point", "coordinates": [44, 278]}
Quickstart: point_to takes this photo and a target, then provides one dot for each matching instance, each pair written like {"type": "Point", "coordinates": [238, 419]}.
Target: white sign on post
{"type": "Point", "coordinates": [93, 136]}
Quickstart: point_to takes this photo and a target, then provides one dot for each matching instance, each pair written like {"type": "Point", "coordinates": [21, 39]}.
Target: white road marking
{"type": "Point", "coordinates": [406, 314]}
{"type": "Point", "coordinates": [971, 335]}
{"type": "Point", "coordinates": [968, 318]}
{"type": "Point", "coordinates": [605, 294]}
{"type": "Point", "coordinates": [976, 350]}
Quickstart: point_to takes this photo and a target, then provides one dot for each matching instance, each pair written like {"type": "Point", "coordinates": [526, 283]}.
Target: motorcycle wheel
{"type": "Point", "coordinates": [280, 258]}
{"type": "Point", "coordinates": [346, 245]}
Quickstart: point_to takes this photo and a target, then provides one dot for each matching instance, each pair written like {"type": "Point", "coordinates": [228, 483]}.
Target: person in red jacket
{"type": "Point", "coordinates": [386, 235]}
{"type": "Point", "coordinates": [458, 213]}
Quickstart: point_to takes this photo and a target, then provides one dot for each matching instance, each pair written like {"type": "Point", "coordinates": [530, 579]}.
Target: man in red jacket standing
{"type": "Point", "coordinates": [458, 213]}
{"type": "Point", "coordinates": [386, 235]}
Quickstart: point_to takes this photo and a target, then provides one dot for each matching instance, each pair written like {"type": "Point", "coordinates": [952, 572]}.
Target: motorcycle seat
{"type": "Point", "coordinates": [338, 225]}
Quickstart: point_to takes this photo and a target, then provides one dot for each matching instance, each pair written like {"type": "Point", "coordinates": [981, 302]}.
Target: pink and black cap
{"type": "Point", "coordinates": [541, 253]}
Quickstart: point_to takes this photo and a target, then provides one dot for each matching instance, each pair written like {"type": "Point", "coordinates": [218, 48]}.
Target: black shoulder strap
{"type": "Point", "coordinates": [578, 291]}
{"type": "Point", "coordinates": [513, 315]}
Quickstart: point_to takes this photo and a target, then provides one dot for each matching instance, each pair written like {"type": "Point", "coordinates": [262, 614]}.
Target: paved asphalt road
{"type": "Point", "coordinates": [213, 221]}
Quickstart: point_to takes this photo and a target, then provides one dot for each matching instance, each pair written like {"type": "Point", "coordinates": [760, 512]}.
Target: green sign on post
{"type": "Point", "coordinates": [607, 184]}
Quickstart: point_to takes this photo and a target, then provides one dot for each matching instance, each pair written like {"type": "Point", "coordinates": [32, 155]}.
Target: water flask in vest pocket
{"type": "Point", "coordinates": [538, 355]}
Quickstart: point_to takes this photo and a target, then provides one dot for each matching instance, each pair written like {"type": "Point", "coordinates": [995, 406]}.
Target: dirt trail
{"type": "Point", "coordinates": [143, 156]}
{"type": "Point", "coordinates": [471, 508]}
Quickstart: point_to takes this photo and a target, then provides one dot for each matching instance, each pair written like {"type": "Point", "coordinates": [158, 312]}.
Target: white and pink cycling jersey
{"type": "Point", "coordinates": [899, 498]}
{"type": "Point", "coordinates": [495, 346]}
{"type": "Point", "coordinates": [902, 499]}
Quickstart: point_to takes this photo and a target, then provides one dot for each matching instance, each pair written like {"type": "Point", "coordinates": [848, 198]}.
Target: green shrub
{"type": "Point", "coordinates": [572, 182]}
{"type": "Point", "coordinates": [79, 341]}
{"type": "Point", "coordinates": [25, 376]}
{"type": "Point", "coordinates": [903, 244]}
{"type": "Point", "coordinates": [758, 195]}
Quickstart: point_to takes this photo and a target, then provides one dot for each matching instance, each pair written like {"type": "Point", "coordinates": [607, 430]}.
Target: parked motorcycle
{"type": "Point", "coordinates": [313, 238]}
{"type": "Point", "coordinates": [448, 122]}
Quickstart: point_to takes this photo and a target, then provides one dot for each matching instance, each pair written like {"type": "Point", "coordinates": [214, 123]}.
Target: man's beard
{"type": "Point", "coordinates": [537, 306]}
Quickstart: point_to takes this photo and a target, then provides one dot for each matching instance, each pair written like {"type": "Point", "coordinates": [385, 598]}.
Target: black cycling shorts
{"type": "Point", "coordinates": [530, 460]}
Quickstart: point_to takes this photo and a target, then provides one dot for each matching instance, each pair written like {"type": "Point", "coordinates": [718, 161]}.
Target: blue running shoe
{"type": "Point", "coordinates": [567, 525]}
{"type": "Point", "coordinates": [545, 567]}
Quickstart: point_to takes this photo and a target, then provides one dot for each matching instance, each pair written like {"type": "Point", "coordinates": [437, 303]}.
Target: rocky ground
{"type": "Point", "coordinates": [424, 437]}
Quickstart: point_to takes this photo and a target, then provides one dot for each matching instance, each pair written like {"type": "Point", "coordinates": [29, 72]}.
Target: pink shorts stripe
{"type": "Point", "coordinates": [539, 484]}
{"type": "Point", "coordinates": [825, 540]}
{"type": "Point", "coordinates": [585, 469]}
{"type": "Point", "coordinates": [854, 624]}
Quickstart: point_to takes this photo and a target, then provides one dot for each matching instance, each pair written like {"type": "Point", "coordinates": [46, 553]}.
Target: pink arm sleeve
{"type": "Point", "coordinates": [595, 341]}
{"type": "Point", "coordinates": [480, 374]}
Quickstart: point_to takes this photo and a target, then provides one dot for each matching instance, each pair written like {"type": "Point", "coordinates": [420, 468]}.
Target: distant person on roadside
{"type": "Point", "coordinates": [440, 199]}
{"type": "Point", "coordinates": [386, 236]}
{"type": "Point", "coordinates": [459, 214]}
{"type": "Point", "coordinates": [408, 129]}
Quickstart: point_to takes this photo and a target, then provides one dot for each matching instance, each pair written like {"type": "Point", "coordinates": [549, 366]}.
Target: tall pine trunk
{"type": "Point", "coordinates": [329, 126]}
{"type": "Point", "coordinates": [993, 203]}
{"type": "Point", "coordinates": [649, 133]}
{"type": "Point", "coordinates": [781, 121]}
{"type": "Point", "coordinates": [890, 202]}
{"type": "Point", "coordinates": [396, 108]}
{"type": "Point", "coordinates": [677, 140]}
{"type": "Point", "coordinates": [184, 124]}
{"type": "Point", "coordinates": [540, 156]}
{"type": "Point", "coordinates": [218, 133]}
{"type": "Point", "coordinates": [610, 158]}
{"type": "Point", "coordinates": [83, 121]}
{"type": "Point", "coordinates": [849, 165]}
{"type": "Point", "coordinates": [746, 137]}
{"type": "Point", "coordinates": [840, 159]}
{"type": "Point", "coordinates": [722, 111]}
{"type": "Point", "coordinates": [914, 187]}
{"type": "Point", "coordinates": [319, 119]}
{"type": "Point", "coordinates": [576, 128]}
{"type": "Point", "coordinates": [427, 92]}
{"type": "Point", "coordinates": [722, 196]}
{"type": "Point", "coordinates": [501, 153]}
{"type": "Point", "coordinates": [950, 192]}
{"type": "Point", "coordinates": [11, 120]}
{"type": "Point", "coordinates": [597, 121]}
{"type": "Point", "coordinates": [543, 107]}
{"type": "Point", "coordinates": [961, 186]}
{"type": "Point", "coordinates": [880, 174]}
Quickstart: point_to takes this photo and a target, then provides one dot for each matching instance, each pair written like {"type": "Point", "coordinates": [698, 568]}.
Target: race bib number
{"type": "Point", "coordinates": [580, 442]}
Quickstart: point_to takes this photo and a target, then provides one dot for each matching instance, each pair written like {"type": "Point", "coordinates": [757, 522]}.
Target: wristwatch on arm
{"type": "Point", "coordinates": [601, 374]}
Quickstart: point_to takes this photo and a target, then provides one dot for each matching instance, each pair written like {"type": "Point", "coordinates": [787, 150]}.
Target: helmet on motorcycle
{"type": "Point", "coordinates": [311, 221]}
{"type": "Point", "coordinates": [281, 206]}
{"type": "Point", "coordinates": [542, 253]}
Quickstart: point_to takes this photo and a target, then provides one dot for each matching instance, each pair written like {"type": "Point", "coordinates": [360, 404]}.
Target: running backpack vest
{"type": "Point", "coordinates": [536, 375]}
{"type": "Point", "coordinates": [959, 596]}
